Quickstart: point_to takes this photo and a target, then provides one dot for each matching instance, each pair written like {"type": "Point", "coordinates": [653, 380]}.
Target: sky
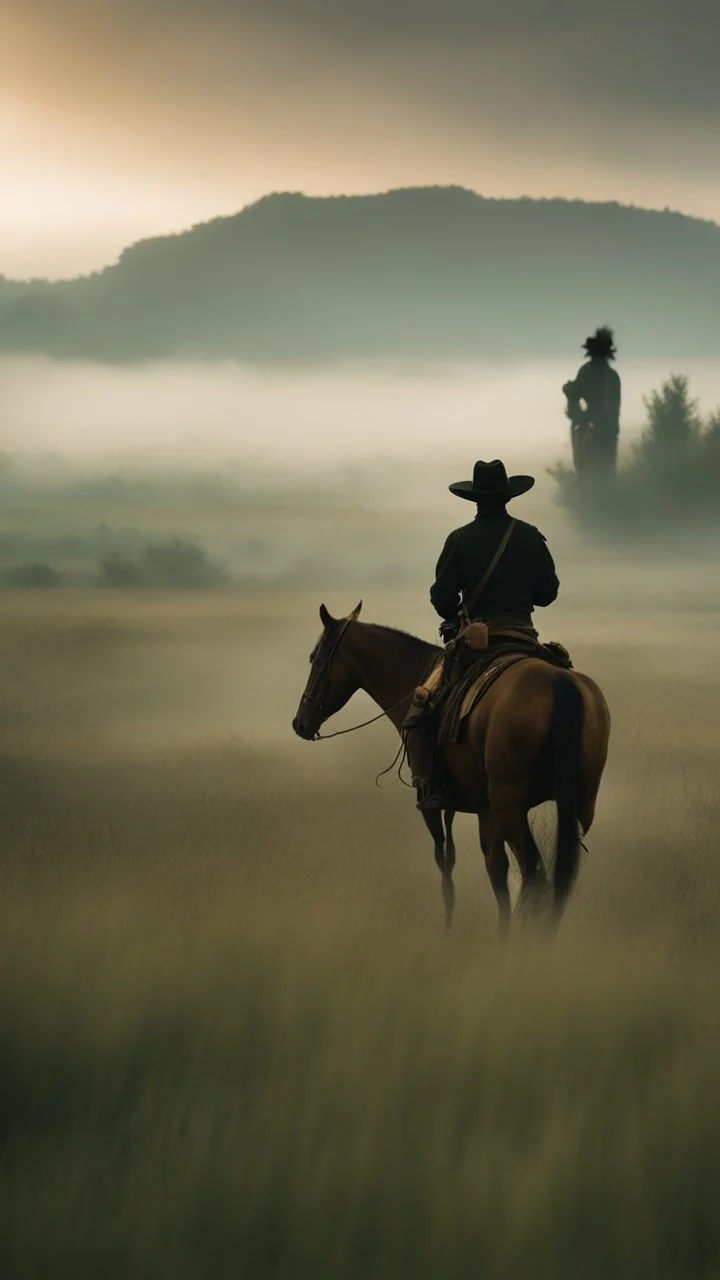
{"type": "Point", "coordinates": [121, 120]}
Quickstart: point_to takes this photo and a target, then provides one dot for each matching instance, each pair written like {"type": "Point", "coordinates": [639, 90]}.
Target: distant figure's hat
{"type": "Point", "coordinates": [602, 343]}
{"type": "Point", "coordinates": [491, 480]}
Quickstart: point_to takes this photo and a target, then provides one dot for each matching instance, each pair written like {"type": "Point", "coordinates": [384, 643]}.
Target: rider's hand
{"type": "Point", "coordinates": [449, 629]}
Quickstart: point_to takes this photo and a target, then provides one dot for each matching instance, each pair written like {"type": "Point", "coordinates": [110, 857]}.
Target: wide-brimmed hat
{"type": "Point", "coordinates": [491, 480]}
{"type": "Point", "coordinates": [602, 343]}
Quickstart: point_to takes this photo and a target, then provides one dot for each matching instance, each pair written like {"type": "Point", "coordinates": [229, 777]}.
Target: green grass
{"type": "Point", "coordinates": [234, 1040]}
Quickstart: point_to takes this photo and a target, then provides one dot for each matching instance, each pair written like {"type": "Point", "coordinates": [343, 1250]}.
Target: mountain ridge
{"type": "Point", "coordinates": [412, 271]}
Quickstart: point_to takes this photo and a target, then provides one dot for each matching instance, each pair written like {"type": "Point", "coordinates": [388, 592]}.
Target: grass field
{"type": "Point", "coordinates": [234, 1040]}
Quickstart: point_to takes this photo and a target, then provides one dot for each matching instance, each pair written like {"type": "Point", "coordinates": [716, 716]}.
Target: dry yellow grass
{"type": "Point", "coordinates": [233, 1038]}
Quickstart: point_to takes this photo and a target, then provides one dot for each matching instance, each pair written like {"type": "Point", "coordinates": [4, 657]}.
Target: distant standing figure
{"type": "Point", "coordinates": [594, 407]}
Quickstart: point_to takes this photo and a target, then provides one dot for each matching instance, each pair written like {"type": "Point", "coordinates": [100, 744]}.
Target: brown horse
{"type": "Point", "coordinates": [538, 734]}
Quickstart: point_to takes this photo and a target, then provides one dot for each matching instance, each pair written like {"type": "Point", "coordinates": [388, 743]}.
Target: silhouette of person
{"type": "Point", "coordinates": [524, 577]}
{"type": "Point", "coordinates": [593, 407]}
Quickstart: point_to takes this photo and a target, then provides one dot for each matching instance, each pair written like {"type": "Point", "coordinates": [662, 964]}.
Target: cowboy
{"type": "Point", "coordinates": [495, 569]}
{"type": "Point", "coordinates": [594, 407]}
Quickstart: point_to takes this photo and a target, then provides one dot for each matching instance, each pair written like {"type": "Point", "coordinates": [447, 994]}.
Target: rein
{"type": "Point", "coordinates": [401, 751]}
{"type": "Point", "coordinates": [324, 737]}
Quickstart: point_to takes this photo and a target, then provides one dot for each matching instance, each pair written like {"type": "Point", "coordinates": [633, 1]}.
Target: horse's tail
{"type": "Point", "coordinates": [566, 728]}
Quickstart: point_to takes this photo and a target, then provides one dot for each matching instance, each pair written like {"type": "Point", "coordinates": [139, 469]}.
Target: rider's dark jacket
{"type": "Point", "coordinates": [524, 578]}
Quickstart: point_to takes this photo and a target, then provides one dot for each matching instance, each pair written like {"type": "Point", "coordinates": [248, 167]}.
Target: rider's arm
{"type": "Point", "coordinates": [546, 583]}
{"type": "Point", "coordinates": [445, 591]}
{"type": "Point", "coordinates": [578, 387]}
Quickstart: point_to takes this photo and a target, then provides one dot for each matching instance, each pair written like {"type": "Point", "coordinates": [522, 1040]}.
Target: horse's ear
{"type": "Point", "coordinates": [356, 612]}
{"type": "Point", "coordinates": [325, 617]}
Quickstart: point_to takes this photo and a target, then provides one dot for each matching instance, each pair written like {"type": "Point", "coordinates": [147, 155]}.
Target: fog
{"type": "Point", "coordinates": [329, 479]}
{"type": "Point", "coordinates": [306, 418]}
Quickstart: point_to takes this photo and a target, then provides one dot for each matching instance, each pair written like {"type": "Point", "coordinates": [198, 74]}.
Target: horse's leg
{"type": "Point", "coordinates": [509, 809]}
{"type": "Point", "coordinates": [497, 865]}
{"type": "Point", "coordinates": [448, 882]}
{"type": "Point", "coordinates": [535, 885]}
{"type": "Point", "coordinates": [449, 841]}
{"type": "Point", "coordinates": [434, 822]}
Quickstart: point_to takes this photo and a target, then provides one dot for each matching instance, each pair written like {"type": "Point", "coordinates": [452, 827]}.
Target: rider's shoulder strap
{"type": "Point", "coordinates": [477, 591]}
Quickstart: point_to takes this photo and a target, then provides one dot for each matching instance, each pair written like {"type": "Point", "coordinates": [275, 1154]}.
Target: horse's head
{"type": "Point", "coordinates": [332, 680]}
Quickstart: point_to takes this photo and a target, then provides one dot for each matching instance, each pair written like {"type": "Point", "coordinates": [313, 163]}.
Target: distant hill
{"type": "Point", "coordinates": [437, 272]}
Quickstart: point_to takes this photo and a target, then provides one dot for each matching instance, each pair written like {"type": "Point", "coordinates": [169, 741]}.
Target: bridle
{"type": "Point", "coordinates": [322, 659]}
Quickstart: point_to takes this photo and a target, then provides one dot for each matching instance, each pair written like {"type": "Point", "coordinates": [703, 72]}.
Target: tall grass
{"type": "Point", "coordinates": [233, 1038]}
{"type": "Point", "coordinates": [279, 1105]}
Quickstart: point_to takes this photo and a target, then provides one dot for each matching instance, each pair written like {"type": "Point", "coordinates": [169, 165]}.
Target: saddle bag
{"type": "Point", "coordinates": [476, 636]}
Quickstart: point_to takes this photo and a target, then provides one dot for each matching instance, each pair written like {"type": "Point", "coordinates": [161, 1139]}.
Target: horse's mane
{"type": "Point", "coordinates": [405, 635]}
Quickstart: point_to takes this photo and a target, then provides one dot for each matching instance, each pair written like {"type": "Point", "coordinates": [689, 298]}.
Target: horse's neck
{"type": "Point", "coordinates": [389, 666]}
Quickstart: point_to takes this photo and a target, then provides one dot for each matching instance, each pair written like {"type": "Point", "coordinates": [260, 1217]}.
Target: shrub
{"type": "Point", "coordinates": [674, 427]}
{"type": "Point", "coordinates": [672, 474]}
{"type": "Point", "coordinates": [118, 571]}
{"type": "Point", "coordinates": [178, 564]}
{"type": "Point", "coordinates": [33, 575]}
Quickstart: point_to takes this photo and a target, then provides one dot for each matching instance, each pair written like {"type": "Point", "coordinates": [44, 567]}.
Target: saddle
{"type": "Point", "coordinates": [463, 675]}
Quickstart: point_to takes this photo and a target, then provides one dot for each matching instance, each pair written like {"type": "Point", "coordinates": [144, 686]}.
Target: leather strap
{"type": "Point", "coordinates": [475, 594]}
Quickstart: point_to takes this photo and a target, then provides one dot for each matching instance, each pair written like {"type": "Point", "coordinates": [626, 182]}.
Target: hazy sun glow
{"type": "Point", "coordinates": [122, 122]}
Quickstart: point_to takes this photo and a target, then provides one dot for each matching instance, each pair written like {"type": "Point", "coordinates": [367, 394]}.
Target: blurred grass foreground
{"type": "Point", "coordinates": [671, 478]}
{"type": "Point", "coordinates": [260, 1103]}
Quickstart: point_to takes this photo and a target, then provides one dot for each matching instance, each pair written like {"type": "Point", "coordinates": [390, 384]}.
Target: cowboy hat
{"type": "Point", "coordinates": [491, 480]}
{"type": "Point", "coordinates": [601, 343]}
